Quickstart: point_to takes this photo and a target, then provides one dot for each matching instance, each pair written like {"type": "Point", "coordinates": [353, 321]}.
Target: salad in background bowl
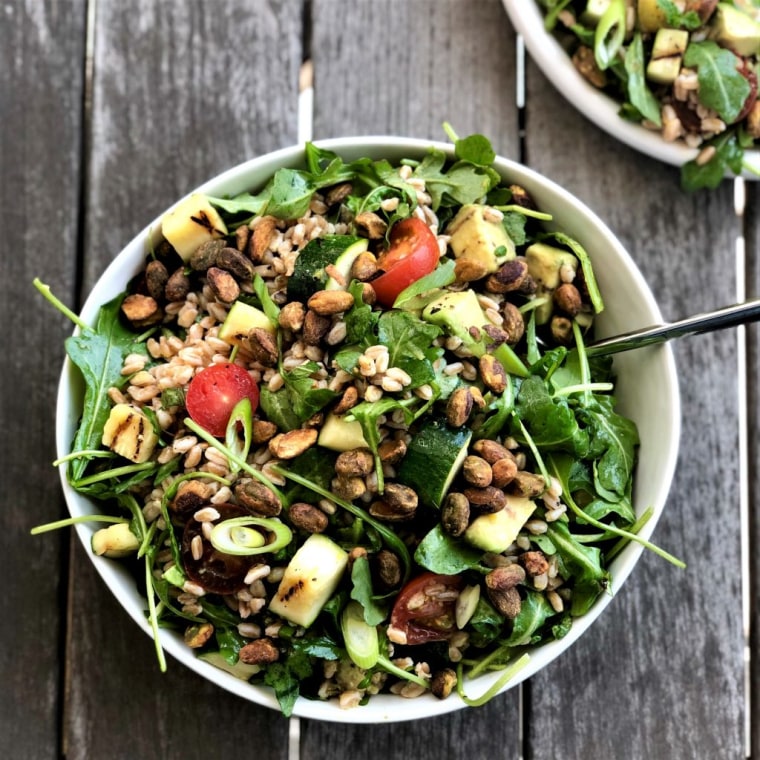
{"type": "Point", "coordinates": [328, 431]}
{"type": "Point", "coordinates": [674, 79]}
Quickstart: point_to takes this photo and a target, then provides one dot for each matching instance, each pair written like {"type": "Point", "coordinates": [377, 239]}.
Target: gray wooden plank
{"type": "Point", "coordinates": [661, 673]}
{"type": "Point", "coordinates": [752, 241]}
{"type": "Point", "coordinates": [41, 75]}
{"type": "Point", "coordinates": [404, 68]}
{"type": "Point", "coordinates": [181, 91]}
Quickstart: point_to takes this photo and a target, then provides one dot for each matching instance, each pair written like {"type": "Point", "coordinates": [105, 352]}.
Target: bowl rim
{"type": "Point", "coordinates": [381, 708]}
{"type": "Point", "coordinates": [595, 105]}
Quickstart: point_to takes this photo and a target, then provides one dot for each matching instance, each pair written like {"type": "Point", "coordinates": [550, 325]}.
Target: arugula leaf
{"type": "Point", "coordinates": [676, 19]}
{"type": "Point", "coordinates": [612, 443]}
{"type": "Point", "coordinates": [361, 579]}
{"type": "Point", "coordinates": [99, 354]}
{"type": "Point", "coordinates": [298, 400]}
{"type": "Point", "coordinates": [407, 337]}
{"type": "Point", "coordinates": [441, 276]}
{"type": "Point", "coordinates": [514, 223]}
{"type": "Point", "coordinates": [638, 91]}
{"type": "Point", "coordinates": [441, 553]}
{"type": "Point", "coordinates": [585, 561]}
{"type": "Point", "coordinates": [728, 156]}
{"type": "Point", "coordinates": [476, 149]}
{"type": "Point", "coordinates": [551, 422]}
{"type": "Point", "coordinates": [721, 86]}
{"type": "Point", "coordinates": [463, 183]}
{"type": "Point", "coordinates": [486, 624]}
{"type": "Point", "coordinates": [534, 612]}
{"type": "Point", "coordinates": [286, 684]}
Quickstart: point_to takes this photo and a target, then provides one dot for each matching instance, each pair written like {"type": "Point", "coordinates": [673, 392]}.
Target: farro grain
{"type": "Point", "coordinates": [206, 514]}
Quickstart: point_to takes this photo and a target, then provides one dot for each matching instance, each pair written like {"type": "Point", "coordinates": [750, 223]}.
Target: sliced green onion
{"type": "Point", "coordinates": [241, 415]}
{"type": "Point", "coordinates": [544, 217]}
{"type": "Point", "coordinates": [510, 672]}
{"type": "Point", "coordinates": [235, 536]}
{"type": "Point", "coordinates": [361, 639]}
{"type": "Point", "coordinates": [610, 33]}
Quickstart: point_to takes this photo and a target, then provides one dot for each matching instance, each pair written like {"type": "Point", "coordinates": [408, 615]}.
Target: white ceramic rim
{"type": "Point", "coordinates": [595, 105]}
{"type": "Point", "coordinates": [381, 708]}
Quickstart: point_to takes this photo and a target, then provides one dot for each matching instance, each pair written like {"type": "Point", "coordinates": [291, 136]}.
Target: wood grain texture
{"type": "Point", "coordinates": [41, 83]}
{"type": "Point", "coordinates": [752, 244]}
{"type": "Point", "coordinates": [404, 68]}
{"type": "Point", "coordinates": [181, 91]}
{"type": "Point", "coordinates": [642, 670]}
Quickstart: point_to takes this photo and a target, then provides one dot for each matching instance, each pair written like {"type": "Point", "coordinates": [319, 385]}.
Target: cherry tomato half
{"type": "Point", "coordinates": [412, 254]}
{"type": "Point", "coordinates": [424, 608]}
{"type": "Point", "coordinates": [213, 393]}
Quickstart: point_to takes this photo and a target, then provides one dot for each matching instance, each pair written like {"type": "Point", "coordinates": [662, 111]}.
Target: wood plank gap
{"type": "Point", "coordinates": [78, 296]}
{"type": "Point", "coordinates": [520, 98]}
{"type": "Point", "coordinates": [743, 434]}
{"type": "Point", "coordinates": [85, 150]}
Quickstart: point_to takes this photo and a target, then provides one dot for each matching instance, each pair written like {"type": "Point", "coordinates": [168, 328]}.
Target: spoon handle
{"type": "Point", "coordinates": [720, 319]}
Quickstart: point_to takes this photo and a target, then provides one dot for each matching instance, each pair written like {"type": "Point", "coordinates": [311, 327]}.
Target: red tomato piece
{"type": "Point", "coordinates": [214, 392]}
{"type": "Point", "coordinates": [424, 608]}
{"type": "Point", "coordinates": [412, 254]}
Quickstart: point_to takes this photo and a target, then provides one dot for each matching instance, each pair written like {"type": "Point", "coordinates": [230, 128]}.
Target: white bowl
{"type": "Point", "coordinates": [647, 392]}
{"type": "Point", "coordinates": [595, 105]}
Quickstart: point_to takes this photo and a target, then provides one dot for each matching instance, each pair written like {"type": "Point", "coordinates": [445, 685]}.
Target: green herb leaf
{"type": "Point", "coordinates": [676, 19]}
{"type": "Point", "coordinates": [374, 613]}
{"type": "Point", "coordinates": [728, 157]}
{"type": "Point", "coordinates": [440, 277]}
{"type": "Point", "coordinates": [476, 149]}
{"type": "Point", "coordinates": [99, 354]}
{"type": "Point", "coordinates": [638, 91]}
{"type": "Point", "coordinates": [534, 612]}
{"type": "Point", "coordinates": [721, 86]}
{"type": "Point", "coordinates": [441, 553]}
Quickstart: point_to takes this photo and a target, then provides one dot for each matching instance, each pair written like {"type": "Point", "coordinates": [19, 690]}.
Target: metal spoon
{"type": "Point", "coordinates": [728, 316]}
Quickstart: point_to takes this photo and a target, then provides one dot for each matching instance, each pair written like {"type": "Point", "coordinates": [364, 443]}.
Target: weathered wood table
{"type": "Point", "coordinates": [112, 109]}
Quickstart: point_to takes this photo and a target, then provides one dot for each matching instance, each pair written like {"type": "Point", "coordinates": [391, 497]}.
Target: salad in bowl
{"type": "Point", "coordinates": [330, 432]}
{"type": "Point", "coordinates": [673, 78]}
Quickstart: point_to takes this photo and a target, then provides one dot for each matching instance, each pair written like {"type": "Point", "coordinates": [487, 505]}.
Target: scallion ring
{"type": "Point", "coordinates": [236, 536]}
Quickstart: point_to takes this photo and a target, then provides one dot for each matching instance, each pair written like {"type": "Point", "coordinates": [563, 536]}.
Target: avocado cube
{"type": "Point", "coordinates": [735, 30]}
{"type": "Point", "coordinates": [241, 319]}
{"type": "Point", "coordinates": [339, 434]}
{"type": "Point", "coordinates": [479, 239]}
{"type": "Point", "coordinates": [495, 532]}
{"type": "Point", "coordinates": [545, 263]}
{"type": "Point", "coordinates": [667, 55]}
{"type": "Point", "coordinates": [457, 312]}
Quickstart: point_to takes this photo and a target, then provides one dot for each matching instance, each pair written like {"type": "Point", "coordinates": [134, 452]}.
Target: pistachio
{"type": "Point", "coordinates": [338, 193]}
{"type": "Point", "coordinates": [307, 517]}
{"type": "Point", "coordinates": [392, 451]}
{"type": "Point", "coordinates": [513, 324]}
{"type": "Point", "coordinates": [561, 329]}
{"type": "Point", "coordinates": [257, 499]}
{"type": "Point", "coordinates": [455, 513]}
{"type": "Point", "coordinates": [509, 278]}
{"type": "Point", "coordinates": [492, 373]}
{"type": "Point", "coordinates": [371, 224]}
{"type": "Point", "coordinates": [490, 450]}
{"type": "Point", "coordinates": [291, 316]}
{"type": "Point", "coordinates": [468, 269]}
{"type": "Point", "coordinates": [567, 298]}
{"type": "Point", "coordinates": [486, 500]}
{"type": "Point", "coordinates": [141, 311]}
{"type": "Point", "coordinates": [477, 471]}
{"type": "Point", "coordinates": [356, 462]}
{"type": "Point", "coordinates": [388, 568]}
{"type": "Point", "coordinates": [329, 302]}
{"type": "Point", "coordinates": [315, 327]}
{"type": "Point", "coordinates": [262, 431]}
{"type": "Point", "coordinates": [535, 563]}
{"type": "Point", "coordinates": [290, 445]}
{"type": "Point", "coordinates": [527, 484]}
{"type": "Point", "coordinates": [364, 267]}
{"type": "Point", "coordinates": [239, 266]}
{"type": "Point", "coordinates": [459, 407]}
{"type": "Point", "coordinates": [177, 286]}
{"type": "Point", "coordinates": [223, 284]}
{"type": "Point", "coordinates": [242, 236]}
{"type": "Point", "coordinates": [259, 652]}
{"type": "Point", "coordinates": [503, 471]}
{"type": "Point", "coordinates": [348, 400]}
{"type": "Point", "coordinates": [443, 683]}
{"type": "Point", "coordinates": [261, 237]}
{"type": "Point", "coordinates": [156, 277]}
{"type": "Point", "coordinates": [205, 255]}
{"type": "Point", "coordinates": [197, 635]}
{"type": "Point", "coordinates": [263, 346]}
{"type": "Point", "coordinates": [501, 587]}
{"type": "Point", "coordinates": [191, 496]}
{"type": "Point", "coordinates": [349, 487]}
